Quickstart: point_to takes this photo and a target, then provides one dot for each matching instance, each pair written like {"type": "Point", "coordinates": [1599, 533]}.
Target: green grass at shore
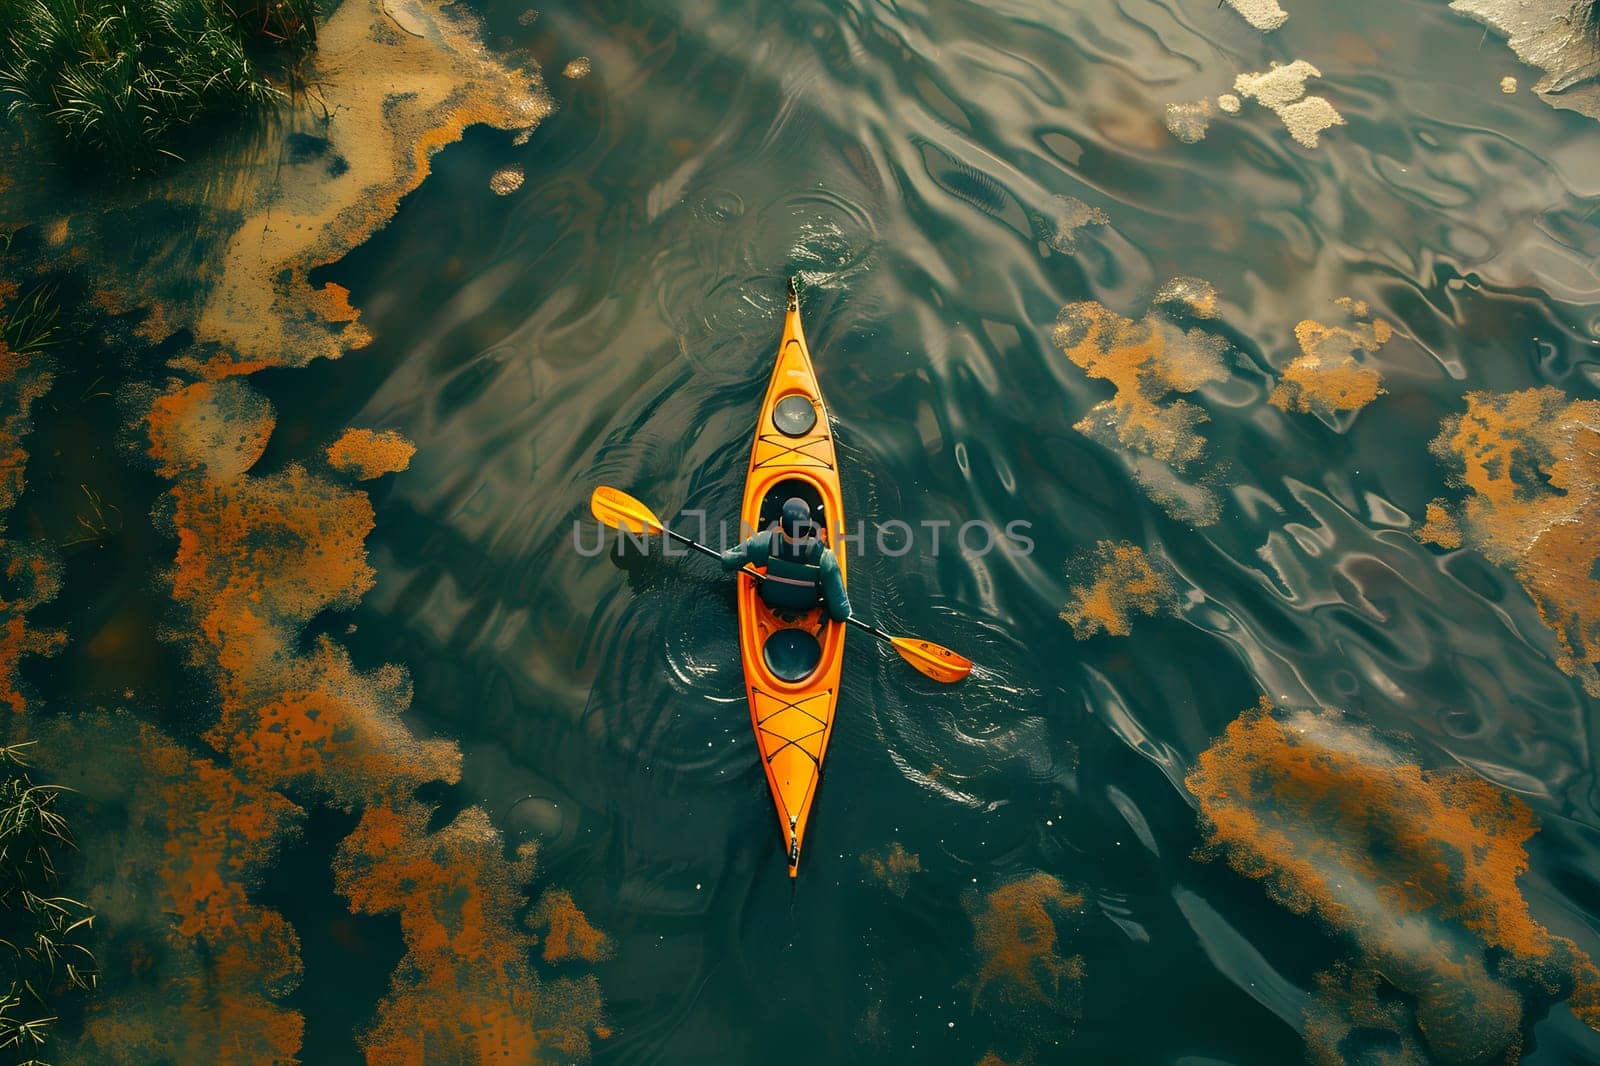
{"type": "Point", "coordinates": [41, 930]}
{"type": "Point", "coordinates": [119, 83]}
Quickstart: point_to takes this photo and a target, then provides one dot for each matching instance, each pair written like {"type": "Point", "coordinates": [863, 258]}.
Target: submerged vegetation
{"type": "Point", "coordinates": [42, 929]}
{"type": "Point", "coordinates": [120, 83]}
{"type": "Point", "coordinates": [44, 963]}
{"type": "Point", "coordinates": [30, 324]}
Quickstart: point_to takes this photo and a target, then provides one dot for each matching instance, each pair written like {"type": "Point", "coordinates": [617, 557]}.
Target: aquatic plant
{"type": "Point", "coordinates": [121, 83]}
{"type": "Point", "coordinates": [97, 523]}
{"type": "Point", "coordinates": [29, 325]}
{"type": "Point", "coordinates": [42, 929]}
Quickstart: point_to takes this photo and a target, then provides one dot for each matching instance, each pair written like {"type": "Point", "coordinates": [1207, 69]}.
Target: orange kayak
{"type": "Point", "coordinates": [792, 663]}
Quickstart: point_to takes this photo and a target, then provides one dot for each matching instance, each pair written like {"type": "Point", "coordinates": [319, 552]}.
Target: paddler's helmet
{"type": "Point", "coordinates": [796, 518]}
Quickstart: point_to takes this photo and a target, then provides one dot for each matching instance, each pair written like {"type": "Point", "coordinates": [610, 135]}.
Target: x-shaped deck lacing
{"type": "Point", "coordinates": [798, 450]}
{"type": "Point", "coordinates": [822, 726]}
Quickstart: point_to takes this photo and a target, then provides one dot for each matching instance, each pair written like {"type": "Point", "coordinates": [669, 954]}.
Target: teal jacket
{"type": "Point", "coordinates": [794, 584]}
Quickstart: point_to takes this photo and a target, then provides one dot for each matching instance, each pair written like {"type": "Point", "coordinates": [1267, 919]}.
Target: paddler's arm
{"type": "Point", "coordinates": [833, 593]}
{"type": "Point", "coordinates": [753, 551]}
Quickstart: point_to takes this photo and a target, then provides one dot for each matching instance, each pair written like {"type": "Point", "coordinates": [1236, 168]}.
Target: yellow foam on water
{"type": "Point", "coordinates": [1282, 89]}
{"type": "Point", "coordinates": [1262, 14]}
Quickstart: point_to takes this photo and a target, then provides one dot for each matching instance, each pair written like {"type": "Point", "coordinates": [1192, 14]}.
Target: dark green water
{"type": "Point", "coordinates": [613, 321]}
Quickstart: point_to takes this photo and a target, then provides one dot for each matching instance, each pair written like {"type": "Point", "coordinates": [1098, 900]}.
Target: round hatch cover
{"type": "Point", "coordinates": [794, 416]}
{"type": "Point", "coordinates": [792, 654]}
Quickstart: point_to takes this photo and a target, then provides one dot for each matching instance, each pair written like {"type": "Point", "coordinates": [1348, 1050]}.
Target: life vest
{"type": "Point", "coordinates": [794, 577]}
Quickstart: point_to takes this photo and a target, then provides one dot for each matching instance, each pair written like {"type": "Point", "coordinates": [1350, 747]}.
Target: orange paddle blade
{"type": "Point", "coordinates": [937, 662]}
{"type": "Point", "coordinates": [615, 508]}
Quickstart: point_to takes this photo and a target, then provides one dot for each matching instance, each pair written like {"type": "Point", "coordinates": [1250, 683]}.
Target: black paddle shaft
{"type": "Point", "coordinates": [697, 546]}
{"type": "Point", "coordinates": [759, 576]}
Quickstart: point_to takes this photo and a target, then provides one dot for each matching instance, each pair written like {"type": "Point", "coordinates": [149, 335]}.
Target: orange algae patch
{"type": "Point", "coordinates": [221, 428]}
{"type": "Point", "coordinates": [363, 454]}
{"type": "Point", "coordinates": [257, 558]}
{"type": "Point", "coordinates": [1014, 935]}
{"type": "Point", "coordinates": [262, 550]}
{"type": "Point", "coordinates": [1326, 377]}
{"type": "Point", "coordinates": [1119, 582]}
{"type": "Point", "coordinates": [1144, 361]}
{"type": "Point", "coordinates": [395, 81]}
{"type": "Point", "coordinates": [893, 867]}
{"type": "Point", "coordinates": [24, 377]}
{"type": "Point", "coordinates": [1147, 361]}
{"type": "Point", "coordinates": [1416, 870]}
{"type": "Point", "coordinates": [395, 99]}
{"type": "Point", "coordinates": [567, 933]}
{"type": "Point", "coordinates": [332, 303]}
{"type": "Point", "coordinates": [173, 876]}
{"type": "Point", "coordinates": [466, 991]}
{"type": "Point", "coordinates": [30, 576]}
{"type": "Point", "coordinates": [257, 562]}
{"type": "Point", "coordinates": [1526, 464]}
{"type": "Point", "coordinates": [157, 321]}
{"type": "Point", "coordinates": [329, 725]}
{"type": "Point", "coordinates": [1439, 526]}
{"type": "Point", "coordinates": [1031, 992]}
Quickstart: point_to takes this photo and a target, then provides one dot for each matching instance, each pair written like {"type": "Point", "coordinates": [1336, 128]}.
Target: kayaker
{"type": "Point", "coordinates": [801, 570]}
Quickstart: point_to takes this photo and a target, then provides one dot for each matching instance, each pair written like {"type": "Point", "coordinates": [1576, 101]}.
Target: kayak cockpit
{"type": "Point", "coordinates": [793, 653]}
{"type": "Point", "coordinates": [792, 488]}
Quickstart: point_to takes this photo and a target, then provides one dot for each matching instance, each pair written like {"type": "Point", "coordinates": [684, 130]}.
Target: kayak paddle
{"type": "Point", "coordinates": [615, 508]}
